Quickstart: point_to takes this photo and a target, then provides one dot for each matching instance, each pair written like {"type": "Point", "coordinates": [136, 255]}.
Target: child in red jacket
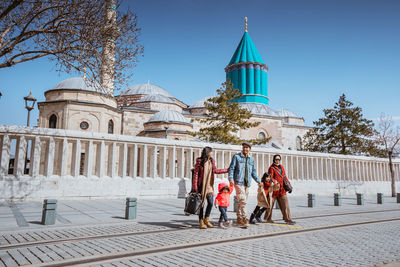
{"type": "Point", "coordinates": [222, 200]}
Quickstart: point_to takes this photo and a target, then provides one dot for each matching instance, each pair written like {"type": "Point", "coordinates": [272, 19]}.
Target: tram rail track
{"type": "Point", "coordinates": [127, 234]}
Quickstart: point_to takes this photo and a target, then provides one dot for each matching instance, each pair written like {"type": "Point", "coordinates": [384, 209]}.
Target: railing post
{"type": "Point", "coordinates": [35, 160]}
{"type": "Point", "coordinates": [153, 162]}
{"type": "Point", "coordinates": [134, 161]}
{"type": "Point", "coordinates": [163, 162]}
{"type": "Point", "coordinates": [124, 159]}
{"type": "Point", "coordinates": [89, 161]}
{"type": "Point", "coordinates": [172, 163]}
{"type": "Point", "coordinates": [20, 157]}
{"type": "Point", "coordinates": [64, 150]}
{"type": "Point", "coordinates": [5, 155]}
{"type": "Point", "coordinates": [112, 160]}
{"type": "Point", "coordinates": [76, 158]}
{"type": "Point", "coordinates": [101, 159]}
{"type": "Point", "coordinates": [182, 163]}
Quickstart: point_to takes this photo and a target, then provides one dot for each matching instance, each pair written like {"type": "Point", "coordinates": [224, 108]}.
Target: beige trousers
{"type": "Point", "coordinates": [242, 193]}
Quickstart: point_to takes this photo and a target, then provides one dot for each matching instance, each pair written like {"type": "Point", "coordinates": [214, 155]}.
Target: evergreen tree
{"type": "Point", "coordinates": [225, 117]}
{"type": "Point", "coordinates": [343, 130]}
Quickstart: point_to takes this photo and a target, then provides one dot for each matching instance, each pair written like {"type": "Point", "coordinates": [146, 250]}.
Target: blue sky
{"type": "Point", "coordinates": [315, 51]}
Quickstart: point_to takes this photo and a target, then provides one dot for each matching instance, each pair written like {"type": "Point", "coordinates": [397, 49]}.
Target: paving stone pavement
{"type": "Point", "coordinates": [353, 246]}
{"type": "Point", "coordinates": [95, 228]}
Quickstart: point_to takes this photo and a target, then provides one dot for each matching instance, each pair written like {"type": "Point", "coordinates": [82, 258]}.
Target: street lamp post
{"type": "Point", "coordinates": [29, 105]}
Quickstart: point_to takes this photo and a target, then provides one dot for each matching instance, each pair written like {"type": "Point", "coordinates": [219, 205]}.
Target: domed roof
{"type": "Point", "coordinates": [168, 116]}
{"type": "Point", "coordinates": [259, 109]}
{"type": "Point", "coordinates": [287, 113]}
{"type": "Point", "coordinates": [200, 103]}
{"type": "Point", "coordinates": [77, 83]}
{"type": "Point", "coordinates": [146, 89]}
{"type": "Point", "coordinates": [156, 98]}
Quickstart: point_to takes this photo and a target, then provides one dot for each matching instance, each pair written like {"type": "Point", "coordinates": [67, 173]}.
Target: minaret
{"type": "Point", "coordinates": [248, 72]}
{"type": "Point", "coordinates": [110, 33]}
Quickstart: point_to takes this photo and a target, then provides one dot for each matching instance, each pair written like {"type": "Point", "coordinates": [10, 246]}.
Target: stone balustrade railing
{"type": "Point", "coordinates": [44, 152]}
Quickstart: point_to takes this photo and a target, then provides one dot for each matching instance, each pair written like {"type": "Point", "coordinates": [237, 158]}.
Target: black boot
{"type": "Point", "coordinates": [252, 221]}
{"type": "Point", "coordinates": [258, 215]}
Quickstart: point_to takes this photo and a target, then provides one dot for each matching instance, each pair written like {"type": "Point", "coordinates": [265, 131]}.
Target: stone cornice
{"type": "Point", "coordinates": [79, 103]}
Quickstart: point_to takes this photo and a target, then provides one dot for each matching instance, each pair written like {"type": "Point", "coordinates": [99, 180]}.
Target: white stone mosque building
{"type": "Point", "coordinates": [91, 144]}
{"type": "Point", "coordinates": [150, 110]}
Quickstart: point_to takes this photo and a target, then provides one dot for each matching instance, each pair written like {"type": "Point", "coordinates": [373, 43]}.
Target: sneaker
{"type": "Point", "coordinates": [221, 225]}
{"type": "Point", "coordinates": [270, 221]}
{"type": "Point", "coordinates": [291, 222]}
{"type": "Point", "coordinates": [228, 224]}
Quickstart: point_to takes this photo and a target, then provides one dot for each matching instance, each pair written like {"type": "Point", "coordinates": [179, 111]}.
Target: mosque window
{"type": "Point", "coordinates": [110, 127]}
{"type": "Point", "coordinates": [53, 121]}
{"type": "Point", "coordinates": [261, 135]}
{"type": "Point", "coordinates": [298, 143]}
{"type": "Point", "coordinates": [84, 125]}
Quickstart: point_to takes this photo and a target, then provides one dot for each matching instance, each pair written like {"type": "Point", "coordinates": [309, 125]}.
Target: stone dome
{"type": "Point", "coordinates": [169, 116]}
{"type": "Point", "coordinates": [77, 83]}
{"type": "Point", "coordinates": [259, 109]}
{"type": "Point", "coordinates": [200, 103]}
{"type": "Point", "coordinates": [287, 113]}
{"type": "Point", "coordinates": [156, 98]}
{"type": "Point", "coordinates": [146, 89]}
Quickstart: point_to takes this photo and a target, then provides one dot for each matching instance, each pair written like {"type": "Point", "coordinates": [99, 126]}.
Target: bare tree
{"type": "Point", "coordinates": [74, 33]}
{"type": "Point", "coordinates": [389, 139]}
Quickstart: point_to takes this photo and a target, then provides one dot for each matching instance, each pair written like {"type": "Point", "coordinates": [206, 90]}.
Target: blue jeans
{"type": "Point", "coordinates": [223, 217]}
{"type": "Point", "coordinates": [210, 199]}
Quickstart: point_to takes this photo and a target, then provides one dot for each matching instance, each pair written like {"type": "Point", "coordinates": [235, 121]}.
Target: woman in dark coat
{"type": "Point", "coordinates": [278, 173]}
{"type": "Point", "coordinates": [203, 183]}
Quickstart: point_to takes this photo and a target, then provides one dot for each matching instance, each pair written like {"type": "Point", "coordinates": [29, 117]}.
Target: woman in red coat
{"type": "Point", "coordinates": [278, 173]}
{"type": "Point", "coordinates": [203, 183]}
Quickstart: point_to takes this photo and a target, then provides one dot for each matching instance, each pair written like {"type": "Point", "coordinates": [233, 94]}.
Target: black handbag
{"type": "Point", "coordinates": [287, 186]}
{"type": "Point", "coordinates": [193, 203]}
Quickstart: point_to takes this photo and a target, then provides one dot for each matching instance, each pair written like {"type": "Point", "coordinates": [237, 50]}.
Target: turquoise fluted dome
{"type": "Point", "coordinates": [248, 72]}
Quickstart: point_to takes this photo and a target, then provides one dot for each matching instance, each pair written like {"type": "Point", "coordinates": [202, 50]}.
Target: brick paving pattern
{"type": "Point", "coordinates": [161, 224]}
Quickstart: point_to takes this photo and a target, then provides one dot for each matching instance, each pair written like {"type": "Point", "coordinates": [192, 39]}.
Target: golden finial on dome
{"type": "Point", "coordinates": [245, 24]}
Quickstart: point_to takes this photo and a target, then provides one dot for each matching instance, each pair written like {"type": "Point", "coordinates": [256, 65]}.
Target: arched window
{"type": "Point", "coordinates": [53, 121]}
{"type": "Point", "coordinates": [110, 127]}
{"type": "Point", "coordinates": [298, 143]}
{"type": "Point", "coordinates": [261, 135]}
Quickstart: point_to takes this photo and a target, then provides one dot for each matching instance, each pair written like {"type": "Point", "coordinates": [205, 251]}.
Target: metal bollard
{"type": "Point", "coordinates": [360, 199]}
{"type": "Point", "coordinates": [337, 199]}
{"type": "Point", "coordinates": [398, 197]}
{"type": "Point", "coordinates": [276, 204]}
{"type": "Point", "coordinates": [311, 200]}
{"type": "Point", "coordinates": [379, 198]}
{"type": "Point", "coordinates": [235, 204]}
{"type": "Point", "coordinates": [130, 209]}
{"type": "Point", "coordinates": [49, 211]}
